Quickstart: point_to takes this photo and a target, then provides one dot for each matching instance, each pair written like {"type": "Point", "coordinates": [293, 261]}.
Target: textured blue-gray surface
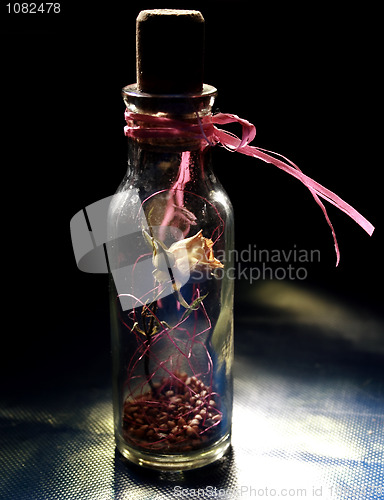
{"type": "Point", "coordinates": [308, 417]}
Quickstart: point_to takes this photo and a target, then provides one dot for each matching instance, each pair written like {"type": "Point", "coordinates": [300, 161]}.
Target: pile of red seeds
{"type": "Point", "coordinates": [181, 414]}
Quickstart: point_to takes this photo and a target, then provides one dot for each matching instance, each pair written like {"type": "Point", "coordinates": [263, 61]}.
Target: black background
{"type": "Point", "coordinates": [307, 75]}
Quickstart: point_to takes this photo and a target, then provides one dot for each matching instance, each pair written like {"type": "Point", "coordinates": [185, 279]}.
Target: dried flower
{"type": "Point", "coordinates": [193, 253]}
{"type": "Point", "coordinates": [183, 258]}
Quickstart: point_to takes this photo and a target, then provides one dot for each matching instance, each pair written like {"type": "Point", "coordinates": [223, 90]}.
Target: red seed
{"type": "Point", "coordinates": [139, 432]}
{"type": "Point", "coordinates": [132, 409]}
{"type": "Point", "coordinates": [176, 400]}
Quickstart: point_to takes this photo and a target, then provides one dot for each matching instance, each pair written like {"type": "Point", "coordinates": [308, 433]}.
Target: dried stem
{"type": "Point", "coordinates": [148, 330]}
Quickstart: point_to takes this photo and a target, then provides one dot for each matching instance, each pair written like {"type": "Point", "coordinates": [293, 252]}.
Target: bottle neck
{"type": "Point", "coordinates": [177, 106]}
{"type": "Point", "coordinates": [167, 143]}
{"type": "Point", "coordinates": [169, 166]}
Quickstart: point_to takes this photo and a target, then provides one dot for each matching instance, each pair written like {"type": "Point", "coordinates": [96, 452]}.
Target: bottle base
{"type": "Point", "coordinates": [175, 462]}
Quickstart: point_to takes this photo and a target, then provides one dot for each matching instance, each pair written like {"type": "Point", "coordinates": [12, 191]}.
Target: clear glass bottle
{"type": "Point", "coordinates": [170, 242]}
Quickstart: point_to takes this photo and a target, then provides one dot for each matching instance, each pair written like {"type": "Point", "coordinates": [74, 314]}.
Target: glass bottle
{"type": "Point", "coordinates": [170, 242]}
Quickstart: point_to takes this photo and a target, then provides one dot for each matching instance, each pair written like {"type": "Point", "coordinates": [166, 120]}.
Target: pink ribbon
{"type": "Point", "coordinates": [145, 126]}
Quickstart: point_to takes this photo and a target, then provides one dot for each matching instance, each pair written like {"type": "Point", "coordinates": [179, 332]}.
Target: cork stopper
{"type": "Point", "coordinates": [170, 51]}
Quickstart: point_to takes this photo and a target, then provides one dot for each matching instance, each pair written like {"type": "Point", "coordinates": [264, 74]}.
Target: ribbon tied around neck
{"type": "Point", "coordinates": [150, 126]}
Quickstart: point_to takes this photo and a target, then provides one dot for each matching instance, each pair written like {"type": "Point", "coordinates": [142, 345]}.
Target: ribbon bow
{"type": "Point", "coordinates": [206, 129]}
